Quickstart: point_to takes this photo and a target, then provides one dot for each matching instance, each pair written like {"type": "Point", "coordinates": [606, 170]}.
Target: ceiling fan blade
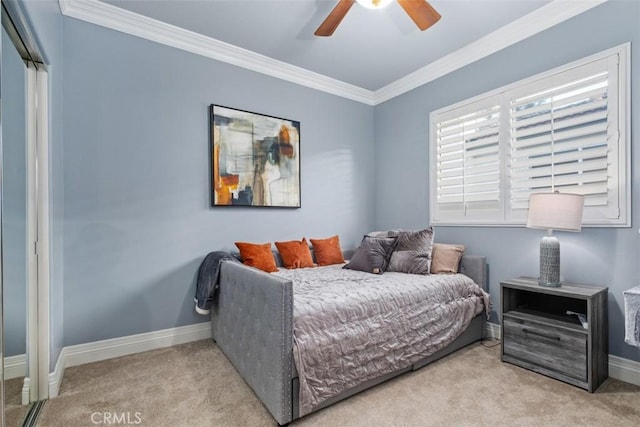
{"type": "Point", "coordinates": [422, 13]}
{"type": "Point", "coordinates": [338, 13]}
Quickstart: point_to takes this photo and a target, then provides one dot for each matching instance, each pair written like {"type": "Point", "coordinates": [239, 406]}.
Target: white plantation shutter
{"type": "Point", "coordinates": [563, 137]}
{"type": "Point", "coordinates": [565, 130]}
{"type": "Point", "coordinates": [467, 161]}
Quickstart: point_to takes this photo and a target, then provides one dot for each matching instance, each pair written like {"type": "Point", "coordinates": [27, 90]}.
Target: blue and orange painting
{"type": "Point", "coordinates": [255, 159]}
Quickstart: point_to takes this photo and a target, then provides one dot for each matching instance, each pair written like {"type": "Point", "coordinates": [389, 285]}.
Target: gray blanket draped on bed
{"type": "Point", "coordinates": [209, 279]}
{"type": "Point", "coordinates": [632, 316]}
{"type": "Point", "coordinates": [350, 327]}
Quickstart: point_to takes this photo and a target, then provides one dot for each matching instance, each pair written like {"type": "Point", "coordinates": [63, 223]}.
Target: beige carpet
{"type": "Point", "coordinates": [14, 410]}
{"type": "Point", "coordinates": [194, 385]}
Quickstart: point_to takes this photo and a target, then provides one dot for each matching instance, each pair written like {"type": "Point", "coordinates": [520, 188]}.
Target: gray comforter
{"type": "Point", "coordinates": [349, 326]}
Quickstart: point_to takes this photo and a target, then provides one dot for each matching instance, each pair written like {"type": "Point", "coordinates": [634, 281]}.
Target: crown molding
{"type": "Point", "coordinates": [115, 18]}
{"type": "Point", "coordinates": [535, 22]}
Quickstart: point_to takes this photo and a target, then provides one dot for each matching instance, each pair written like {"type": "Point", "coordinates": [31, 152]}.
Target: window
{"type": "Point", "coordinates": [565, 130]}
{"type": "Point", "coordinates": [468, 153]}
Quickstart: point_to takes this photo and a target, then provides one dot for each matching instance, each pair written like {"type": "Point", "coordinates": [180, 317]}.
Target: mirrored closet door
{"type": "Point", "coordinates": [15, 271]}
{"type": "Point", "coordinates": [23, 219]}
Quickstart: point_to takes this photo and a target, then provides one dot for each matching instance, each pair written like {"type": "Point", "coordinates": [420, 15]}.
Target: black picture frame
{"type": "Point", "coordinates": [255, 159]}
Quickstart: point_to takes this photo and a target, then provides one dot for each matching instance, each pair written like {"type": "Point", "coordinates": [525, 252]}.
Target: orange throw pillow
{"type": "Point", "coordinates": [295, 254]}
{"type": "Point", "coordinates": [328, 251]}
{"type": "Point", "coordinates": [257, 255]}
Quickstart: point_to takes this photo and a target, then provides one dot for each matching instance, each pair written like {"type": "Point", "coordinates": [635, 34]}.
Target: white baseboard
{"type": "Point", "coordinates": [15, 366]}
{"type": "Point", "coordinates": [26, 390]}
{"type": "Point", "coordinates": [108, 349]}
{"type": "Point", "coordinates": [55, 377]}
{"type": "Point", "coordinates": [619, 368]}
{"type": "Point", "coordinates": [624, 370]}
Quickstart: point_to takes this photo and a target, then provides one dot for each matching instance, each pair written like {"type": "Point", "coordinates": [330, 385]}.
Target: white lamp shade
{"type": "Point", "coordinates": [555, 211]}
{"type": "Point", "coordinates": [374, 4]}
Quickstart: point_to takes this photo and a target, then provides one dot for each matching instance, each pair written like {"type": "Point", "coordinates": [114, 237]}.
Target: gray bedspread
{"type": "Point", "coordinates": [350, 326]}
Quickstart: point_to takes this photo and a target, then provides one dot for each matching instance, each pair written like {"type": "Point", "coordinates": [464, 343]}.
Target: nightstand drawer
{"type": "Point", "coordinates": [557, 349]}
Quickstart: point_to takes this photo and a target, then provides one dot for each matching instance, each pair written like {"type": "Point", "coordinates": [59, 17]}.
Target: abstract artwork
{"type": "Point", "coordinates": [255, 159]}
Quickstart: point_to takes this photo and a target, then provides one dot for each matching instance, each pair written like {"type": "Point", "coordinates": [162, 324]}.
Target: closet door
{"type": "Point", "coordinates": [24, 218]}
{"type": "Point", "coordinates": [15, 229]}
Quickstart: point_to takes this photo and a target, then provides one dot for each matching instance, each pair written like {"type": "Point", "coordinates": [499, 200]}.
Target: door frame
{"type": "Point", "coordinates": [42, 242]}
{"type": "Point", "coordinates": [36, 384]}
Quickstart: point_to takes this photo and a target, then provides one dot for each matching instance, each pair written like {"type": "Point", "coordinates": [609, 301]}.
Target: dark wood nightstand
{"type": "Point", "coordinates": [538, 334]}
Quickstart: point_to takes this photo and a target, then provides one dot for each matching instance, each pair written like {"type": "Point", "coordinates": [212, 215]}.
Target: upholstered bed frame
{"type": "Point", "coordinates": [252, 323]}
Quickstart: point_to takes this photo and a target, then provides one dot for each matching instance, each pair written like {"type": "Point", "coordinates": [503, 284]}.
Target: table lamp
{"type": "Point", "coordinates": [553, 211]}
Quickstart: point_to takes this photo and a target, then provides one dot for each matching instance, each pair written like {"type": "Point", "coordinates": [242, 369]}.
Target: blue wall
{"type": "Point", "coordinates": [14, 199]}
{"type": "Point", "coordinates": [137, 220]}
{"type": "Point", "coordinates": [604, 256]}
{"type": "Point", "coordinates": [130, 211]}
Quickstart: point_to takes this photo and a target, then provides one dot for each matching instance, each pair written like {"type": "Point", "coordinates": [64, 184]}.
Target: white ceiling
{"type": "Point", "coordinates": [370, 49]}
{"type": "Point", "coordinates": [373, 56]}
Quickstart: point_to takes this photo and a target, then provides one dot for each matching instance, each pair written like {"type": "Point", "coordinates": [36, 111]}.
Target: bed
{"type": "Point", "coordinates": [286, 353]}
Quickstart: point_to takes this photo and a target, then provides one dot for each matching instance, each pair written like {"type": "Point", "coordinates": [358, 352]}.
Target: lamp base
{"type": "Point", "coordinates": [549, 285]}
{"type": "Point", "coordinates": [549, 262]}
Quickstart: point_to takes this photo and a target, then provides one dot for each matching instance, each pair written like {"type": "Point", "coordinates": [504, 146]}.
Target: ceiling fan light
{"type": "Point", "coordinates": [375, 4]}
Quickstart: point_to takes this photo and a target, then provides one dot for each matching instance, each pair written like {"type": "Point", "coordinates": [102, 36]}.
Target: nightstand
{"type": "Point", "coordinates": [538, 334]}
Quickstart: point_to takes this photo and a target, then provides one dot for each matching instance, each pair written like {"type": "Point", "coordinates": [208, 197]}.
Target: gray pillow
{"type": "Point", "coordinates": [413, 252]}
{"type": "Point", "coordinates": [386, 233]}
{"type": "Point", "coordinates": [373, 254]}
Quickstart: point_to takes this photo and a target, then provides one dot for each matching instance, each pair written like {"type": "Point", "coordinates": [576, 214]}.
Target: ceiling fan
{"type": "Point", "coordinates": [422, 13]}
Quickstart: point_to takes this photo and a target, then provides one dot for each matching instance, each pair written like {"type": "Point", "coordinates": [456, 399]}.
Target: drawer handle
{"type": "Point", "coordinates": [529, 331]}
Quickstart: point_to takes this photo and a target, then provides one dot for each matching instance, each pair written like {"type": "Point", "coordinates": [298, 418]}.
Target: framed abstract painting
{"type": "Point", "coordinates": [255, 159]}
